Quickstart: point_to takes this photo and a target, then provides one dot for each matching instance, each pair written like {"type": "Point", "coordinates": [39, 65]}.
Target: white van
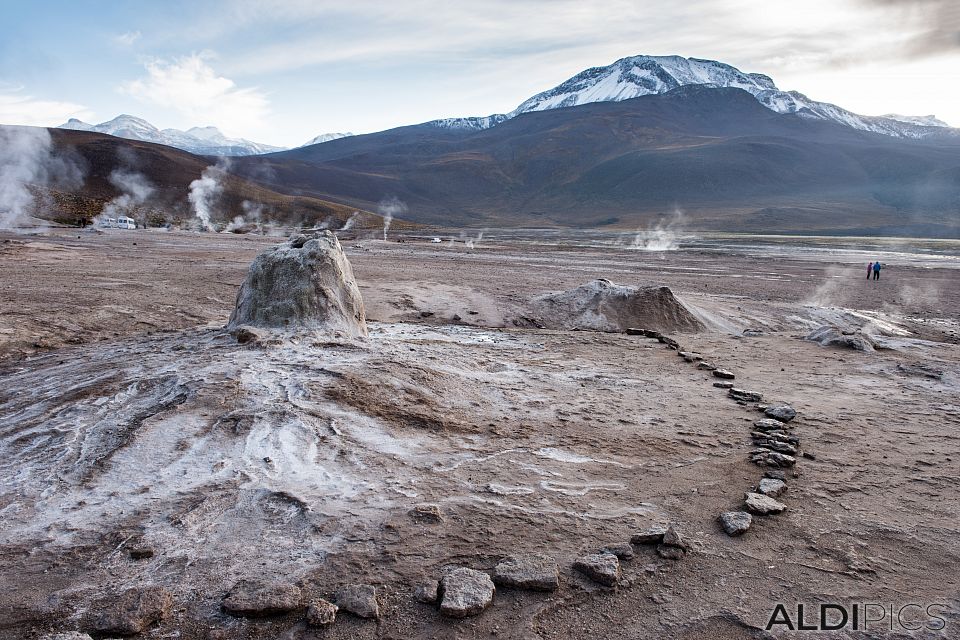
{"type": "Point", "coordinates": [123, 222]}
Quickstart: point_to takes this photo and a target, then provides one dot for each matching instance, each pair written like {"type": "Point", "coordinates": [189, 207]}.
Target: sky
{"type": "Point", "coordinates": [283, 71]}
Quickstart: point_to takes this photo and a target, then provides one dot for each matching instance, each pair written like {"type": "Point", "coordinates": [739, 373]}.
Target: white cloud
{"type": "Point", "coordinates": [191, 87]}
{"type": "Point", "coordinates": [18, 108]}
{"type": "Point", "coordinates": [128, 38]}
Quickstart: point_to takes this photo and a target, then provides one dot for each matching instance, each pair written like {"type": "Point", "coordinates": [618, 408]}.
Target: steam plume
{"type": "Point", "coordinates": [204, 191]}
{"type": "Point", "coordinates": [388, 208]}
{"type": "Point", "coordinates": [350, 221]}
{"type": "Point", "coordinates": [136, 190]}
{"type": "Point", "coordinates": [662, 236]}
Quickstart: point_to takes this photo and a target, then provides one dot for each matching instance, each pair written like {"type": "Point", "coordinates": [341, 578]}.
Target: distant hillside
{"type": "Point", "coordinates": [170, 172]}
{"type": "Point", "coordinates": [718, 154]}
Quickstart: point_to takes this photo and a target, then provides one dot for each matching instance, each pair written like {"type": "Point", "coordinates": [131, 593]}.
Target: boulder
{"type": "Point", "coordinates": [359, 599]}
{"type": "Point", "coordinates": [723, 374]}
{"type": "Point", "coordinates": [723, 385]}
{"type": "Point", "coordinates": [132, 611]}
{"type": "Point", "coordinates": [427, 592]}
{"type": "Point", "coordinates": [769, 424]}
{"type": "Point", "coordinates": [762, 505]}
{"type": "Point", "coordinates": [306, 283]}
{"type": "Point", "coordinates": [466, 593]}
{"type": "Point", "coordinates": [672, 538]}
{"type": "Point", "coordinates": [603, 568]}
{"type": "Point", "coordinates": [735, 523]}
{"type": "Point", "coordinates": [653, 535]}
{"type": "Point", "coordinates": [320, 613]}
{"type": "Point", "coordinates": [601, 305]}
{"type": "Point", "coordinates": [744, 396]}
{"type": "Point", "coordinates": [829, 336]}
{"type": "Point", "coordinates": [253, 598]}
{"type": "Point", "coordinates": [670, 552]}
{"type": "Point", "coordinates": [530, 571]}
{"type": "Point", "coordinates": [66, 635]}
{"type": "Point", "coordinates": [772, 487]}
{"type": "Point", "coordinates": [768, 458]}
{"type": "Point", "coordinates": [623, 551]}
{"type": "Point", "coordinates": [426, 513]}
{"type": "Point", "coordinates": [781, 412]}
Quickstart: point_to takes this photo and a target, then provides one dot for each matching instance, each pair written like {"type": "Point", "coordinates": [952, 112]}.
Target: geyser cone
{"type": "Point", "coordinates": [305, 283]}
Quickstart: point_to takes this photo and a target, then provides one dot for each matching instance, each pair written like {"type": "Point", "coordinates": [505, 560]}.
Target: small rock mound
{"type": "Point", "coordinates": [600, 567]}
{"type": "Point", "coordinates": [306, 283]}
{"type": "Point", "coordinates": [252, 598]}
{"type": "Point", "coordinates": [534, 571]}
{"type": "Point", "coordinates": [133, 611]}
{"type": "Point", "coordinates": [360, 600]}
{"type": "Point", "coordinates": [466, 592]}
{"type": "Point", "coordinates": [601, 305]}
{"type": "Point", "coordinates": [844, 338]}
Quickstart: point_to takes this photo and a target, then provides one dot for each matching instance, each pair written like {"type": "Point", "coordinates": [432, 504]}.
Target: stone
{"type": "Point", "coordinates": [247, 335]}
{"type": "Point", "coordinates": [653, 535]}
{"type": "Point", "coordinates": [253, 598]}
{"type": "Point", "coordinates": [670, 552]}
{"type": "Point", "coordinates": [623, 551]}
{"type": "Point", "coordinates": [845, 339]}
{"type": "Point", "coordinates": [703, 364]}
{"type": "Point", "coordinates": [774, 436]}
{"type": "Point", "coordinates": [426, 513]}
{"type": "Point", "coordinates": [781, 412]}
{"type": "Point", "coordinates": [723, 374]}
{"type": "Point", "coordinates": [647, 333]}
{"type": "Point", "coordinates": [774, 444]}
{"type": "Point", "coordinates": [765, 457]}
{"type": "Point", "coordinates": [723, 385]}
{"type": "Point", "coordinates": [670, 342]}
{"type": "Point", "coordinates": [769, 424]}
{"type": "Point", "coordinates": [772, 487]}
{"type": "Point", "coordinates": [735, 523]}
{"type": "Point", "coordinates": [466, 592]}
{"type": "Point", "coordinates": [66, 635]}
{"type": "Point", "coordinates": [320, 613]}
{"type": "Point", "coordinates": [762, 505]}
{"type": "Point", "coordinates": [776, 474]}
{"type": "Point", "coordinates": [359, 599]}
{"type": "Point", "coordinates": [141, 552]}
{"type": "Point", "coordinates": [531, 571]}
{"type": "Point", "coordinates": [672, 538]}
{"type": "Point", "coordinates": [745, 396]}
{"type": "Point", "coordinates": [306, 283]}
{"type": "Point", "coordinates": [132, 611]}
{"type": "Point", "coordinates": [427, 592]}
{"type": "Point", "coordinates": [603, 568]}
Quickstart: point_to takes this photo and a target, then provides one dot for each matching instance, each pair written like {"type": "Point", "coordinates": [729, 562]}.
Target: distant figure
{"type": "Point", "coordinates": [869, 270]}
{"type": "Point", "coordinates": [876, 270]}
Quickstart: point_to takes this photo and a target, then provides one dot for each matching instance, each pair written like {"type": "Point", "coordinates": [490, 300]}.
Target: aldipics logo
{"type": "Point", "coordinates": [859, 617]}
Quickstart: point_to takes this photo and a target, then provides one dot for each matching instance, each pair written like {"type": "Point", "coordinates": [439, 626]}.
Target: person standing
{"type": "Point", "coordinates": [876, 270]}
{"type": "Point", "coordinates": [869, 270]}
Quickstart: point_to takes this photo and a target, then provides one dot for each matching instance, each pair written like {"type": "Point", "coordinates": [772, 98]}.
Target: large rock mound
{"type": "Point", "coordinates": [854, 339]}
{"type": "Point", "coordinates": [305, 283]}
{"type": "Point", "coordinates": [601, 305]}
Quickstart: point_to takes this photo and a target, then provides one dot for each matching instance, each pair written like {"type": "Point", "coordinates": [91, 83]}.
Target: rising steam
{"type": "Point", "coordinates": [350, 221]}
{"type": "Point", "coordinates": [204, 192]}
{"type": "Point", "coordinates": [388, 208]}
{"type": "Point", "coordinates": [135, 188]}
{"type": "Point", "coordinates": [662, 236]}
{"type": "Point", "coordinates": [27, 159]}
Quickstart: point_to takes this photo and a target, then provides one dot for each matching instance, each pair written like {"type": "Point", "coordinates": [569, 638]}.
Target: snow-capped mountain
{"type": "Point", "coordinates": [638, 76]}
{"type": "Point", "coordinates": [326, 137]}
{"type": "Point", "coordinates": [200, 140]}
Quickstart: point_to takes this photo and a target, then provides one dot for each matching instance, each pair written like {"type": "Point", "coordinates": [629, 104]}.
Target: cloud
{"type": "Point", "coordinates": [190, 86]}
{"type": "Point", "coordinates": [19, 108]}
{"type": "Point", "coordinates": [128, 38]}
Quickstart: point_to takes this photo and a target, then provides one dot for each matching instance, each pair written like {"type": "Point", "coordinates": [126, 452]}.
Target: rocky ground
{"type": "Point", "coordinates": [159, 478]}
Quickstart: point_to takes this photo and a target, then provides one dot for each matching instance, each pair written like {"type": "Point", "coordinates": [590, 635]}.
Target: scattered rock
{"type": "Point", "coordinates": [809, 455]}
{"type": "Point", "coordinates": [775, 474]}
{"type": "Point", "coordinates": [735, 523]}
{"type": "Point", "coordinates": [252, 598]}
{"type": "Point", "coordinates": [653, 535]}
{"type": "Point", "coordinates": [647, 333]}
{"type": "Point", "coordinates": [768, 424]}
{"type": "Point", "coordinates": [745, 396]}
{"type": "Point", "coordinates": [623, 551]}
{"type": "Point", "coordinates": [66, 635]}
{"type": "Point", "coordinates": [132, 611]}
{"type": "Point", "coordinates": [427, 592]}
{"type": "Point", "coordinates": [723, 385]}
{"type": "Point", "coordinates": [670, 342]}
{"type": "Point", "coordinates": [320, 613]}
{"type": "Point", "coordinates": [359, 599]}
{"type": "Point", "coordinates": [772, 487]}
{"type": "Point", "coordinates": [762, 505]}
{"type": "Point", "coordinates": [765, 457]}
{"type": "Point", "coordinates": [670, 552]}
{"type": "Point", "coordinates": [141, 552]}
{"type": "Point", "coordinates": [672, 538]}
{"type": "Point", "coordinates": [466, 592]}
{"type": "Point", "coordinates": [781, 412]}
{"type": "Point", "coordinates": [703, 364]}
{"type": "Point", "coordinates": [306, 283]}
{"type": "Point", "coordinates": [775, 445]}
{"type": "Point", "coordinates": [603, 568]}
{"type": "Point", "coordinates": [247, 335]}
{"type": "Point", "coordinates": [846, 339]}
{"type": "Point", "coordinates": [533, 571]}
{"type": "Point", "coordinates": [426, 513]}
{"type": "Point", "coordinates": [752, 333]}
{"type": "Point", "coordinates": [723, 374]}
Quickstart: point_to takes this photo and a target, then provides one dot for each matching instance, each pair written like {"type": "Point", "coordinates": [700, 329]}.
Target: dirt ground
{"type": "Point", "coordinates": [127, 417]}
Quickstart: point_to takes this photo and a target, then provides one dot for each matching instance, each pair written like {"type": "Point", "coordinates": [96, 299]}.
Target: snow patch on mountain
{"type": "Point", "coordinates": [923, 121]}
{"type": "Point", "coordinates": [326, 137]}
{"type": "Point", "coordinates": [200, 140]}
